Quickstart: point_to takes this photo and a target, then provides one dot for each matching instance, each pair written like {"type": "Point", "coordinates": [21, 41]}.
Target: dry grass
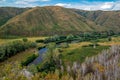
{"type": "Point", "coordinates": [2, 41]}
{"type": "Point", "coordinates": [35, 38]}
{"type": "Point", "coordinates": [76, 45]}
{"type": "Point", "coordinates": [115, 41]}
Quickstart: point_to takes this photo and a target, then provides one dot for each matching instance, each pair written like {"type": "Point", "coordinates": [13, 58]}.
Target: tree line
{"type": "Point", "coordinates": [86, 36]}
{"type": "Point", "coordinates": [12, 48]}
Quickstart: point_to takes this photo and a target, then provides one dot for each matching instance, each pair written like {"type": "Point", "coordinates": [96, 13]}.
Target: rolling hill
{"type": "Point", "coordinates": [54, 19]}
{"type": "Point", "coordinates": [108, 19]}
{"type": "Point", "coordinates": [7, 13]}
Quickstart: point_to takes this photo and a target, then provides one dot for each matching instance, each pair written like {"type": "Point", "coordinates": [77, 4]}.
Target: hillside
{"type": "Point", "coordinates": [58, 20]}
{"type": "Point", "coordinates": [40, 20]}
{"type": "Point", "coordinates": [7, 13]}
{"type": "Point", "coordinates": [108, 19]}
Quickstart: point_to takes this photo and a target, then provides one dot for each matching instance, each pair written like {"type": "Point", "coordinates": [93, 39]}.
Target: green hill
{"type": "Point", "coordinates": [108, 19]}
{"type": "Point", "coordinates": [58, 20]}
{"type": "Point", "coordinates": [38, 20]}
{"type": "Point", "coordinates": [9, 12]}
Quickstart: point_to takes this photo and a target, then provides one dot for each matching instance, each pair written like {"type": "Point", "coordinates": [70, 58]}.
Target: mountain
{"type": "Point", "coordinates": [47, 19]}
{"type": "Point", "coordinates": [108, 19]}
{"type": "Point", "coordinates": [9, 12]}
{"type": "Point", "coordinates": [54, 19]}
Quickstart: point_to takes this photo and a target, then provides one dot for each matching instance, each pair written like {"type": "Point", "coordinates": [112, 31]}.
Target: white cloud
{"type": "Point", "coordinates": [24, 3]}
{"type": "Point", "coordinates": [63, 4]}
{"type": "Point", "coordinates": [92, 6]}
{"type": "Point", "coordinates": [44, 0]}
{"type": "Point", "coordinates": [107, 5]}
{"type": "Point", "coordinates": [28, 3]}
{"type": "Point", "coordinates": [116, 6]}
{"type": "Point", "coordinates": [31, 1]}
{"type": "Point", "coordinates": [21, 2]}
{"type": "Point", "coordinates": [82, 5]}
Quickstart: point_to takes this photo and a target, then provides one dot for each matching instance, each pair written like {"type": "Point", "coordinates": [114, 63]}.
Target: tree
{"type": "Point", "coordinates": [25, 39]}
{"type": "Point", "coordinates": [109, 38]}
{"type": "Point", "coordinates": [70, 37]}
{"type": "Point", "coordinates": [2, 53]}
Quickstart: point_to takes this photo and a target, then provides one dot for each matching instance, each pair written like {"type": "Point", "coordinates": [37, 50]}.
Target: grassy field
{"type": "Point", "coordinates": [2, 41]}
{"type": "Point", "coordinates": [74, 52]}
{"type": "Point", "coordinates": [80, 53]}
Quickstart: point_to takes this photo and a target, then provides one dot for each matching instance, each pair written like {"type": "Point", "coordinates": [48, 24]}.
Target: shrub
{"type": "Point", "coordinates": [39, 41]}
{"type": "Point", "coordinates": [25, 39]}
{"type": "Point", "coordinates": [85, 45]}
{"type": "Point", "coordinates": [109, 38]}
{"type": "Point", "coordinates": [29, 60]}
{"type": "Point", "coordinates": [64, 45]}
{"type": "Point", "coordinates": [13, 48]}
{"type": "Point", "coordinates": [94, 44]}
{"type": "Point", "coordinates": [40, 47]}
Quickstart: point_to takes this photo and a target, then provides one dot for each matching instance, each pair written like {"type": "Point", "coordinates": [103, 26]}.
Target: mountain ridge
{"type": "Point", "coordinates": [38, 20]}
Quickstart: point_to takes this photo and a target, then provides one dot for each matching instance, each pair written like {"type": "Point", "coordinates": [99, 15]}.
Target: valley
{"type": "Point", "coordinates": [58, 43]}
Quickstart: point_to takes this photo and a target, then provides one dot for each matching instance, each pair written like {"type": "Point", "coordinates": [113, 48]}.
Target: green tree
{"type": "Point", "coordinates": [2, 53]}
{"type": "Point", "coordinates": [25, 39]}
{"type": "Point", "coordinates": [109, 38]}
{"type": "Point", "coordinates": [70, 37]}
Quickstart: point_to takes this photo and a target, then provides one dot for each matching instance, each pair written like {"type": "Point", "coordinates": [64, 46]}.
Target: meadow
{"type": "Point", "coordinates": [75, 52]}
{"type": "Point", "coordinates": [2, 41]}
{"type": "Point", "coordinates": [81, 53]}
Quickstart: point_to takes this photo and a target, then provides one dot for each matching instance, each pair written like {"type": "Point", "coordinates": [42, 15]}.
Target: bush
{"type": "Point", "coordinates": [64, 45]}
{"type": "Point", "coordinates": [85, 46]}
{"type": "Point", "coordinates": [94, 44]}
{"type": "Point", "coordinates": [12, 48]}
{"type": "Point", "coordinates": [109, 38]}
{"type": "Point", "coordinates": [91, 45]}
{"type": "Point", "coordinates": [25, 39]}
{"type": "Point", "coordinates": [40, 47]}
{"type": "Point", "coordinates": [39, 41]}
{"type": "Point", "coordinates": [29, 60]}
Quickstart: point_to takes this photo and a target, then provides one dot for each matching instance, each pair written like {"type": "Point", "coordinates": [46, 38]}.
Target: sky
{"type": "Point", "coordinates": [78, 4]}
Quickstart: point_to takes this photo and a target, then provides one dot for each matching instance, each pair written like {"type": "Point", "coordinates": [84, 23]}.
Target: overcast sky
{"type": "Point", "coordinates": [78, 4]}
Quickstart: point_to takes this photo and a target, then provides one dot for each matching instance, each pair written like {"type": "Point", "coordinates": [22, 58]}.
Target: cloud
{"type": "Point", "coordinates": [44, 0]}
{"type": "Point", "coordinates": [116, 6]}
{"type": "Point", "coordinates": [84, 5]}
{"type": "Point", "coordinates": [107, 5]}
{"type": "Point", "coordinates": [21, 2]}
{"type": "Point", "coordinates": [29, 3]}
{"type": "Point", "coordinates": [62, 4]}
{"type": "Point", "coordinates": [92, 6]}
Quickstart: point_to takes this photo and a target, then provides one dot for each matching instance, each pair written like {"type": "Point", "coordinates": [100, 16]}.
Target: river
{"type": "Point", "coordinates": [39, 59]}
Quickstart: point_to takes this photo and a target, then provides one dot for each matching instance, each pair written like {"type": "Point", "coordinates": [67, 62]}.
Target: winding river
{"type": "Point", "coordinates": [40, 56]}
